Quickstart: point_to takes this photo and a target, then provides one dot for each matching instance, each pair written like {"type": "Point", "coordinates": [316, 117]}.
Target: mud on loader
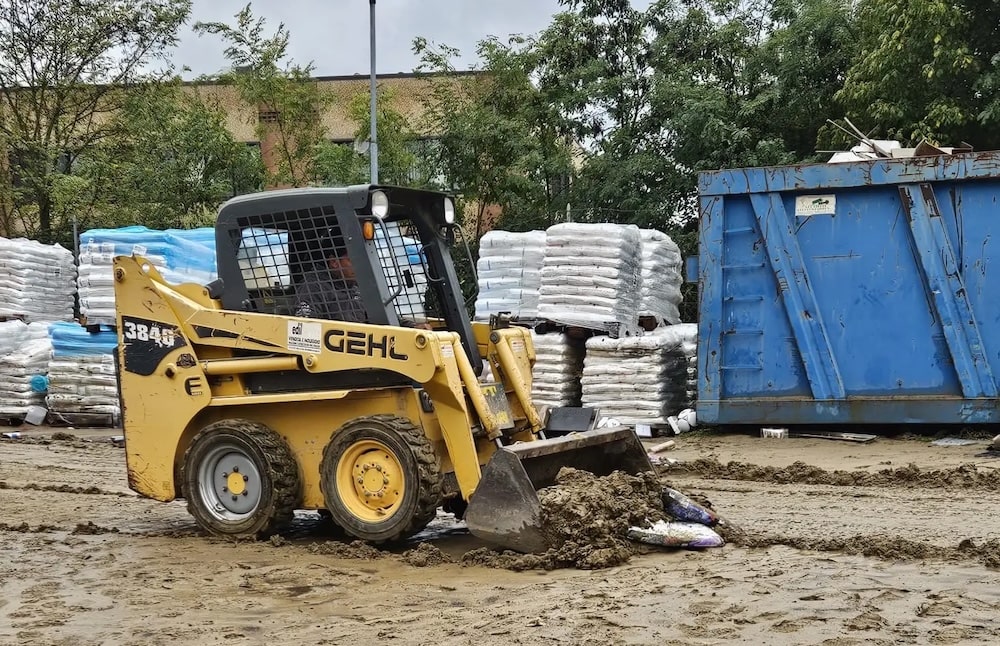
{"type": "Point", "coordinates": [333, 367]}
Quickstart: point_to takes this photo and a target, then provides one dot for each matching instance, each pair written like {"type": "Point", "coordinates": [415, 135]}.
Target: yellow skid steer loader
{"type": "Point", "coordinates": [333, 366]}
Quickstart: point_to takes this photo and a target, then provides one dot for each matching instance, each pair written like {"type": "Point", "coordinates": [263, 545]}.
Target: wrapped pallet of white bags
{"type": "Point", "coordinates": [37, 281]}
{"type": "Point", "coordinates": [637, 380]}
{"type": "Point", "coordinates": [509, 271]}
{"type": "Point", "coordinates": [689, 344]}
{"type": "Point", "coordinates": [12, 334]}
{"type": "Point", "coordinates": [591, 276]}
{"type": "Point", "coordinates": [22, 370]}
{"type": "Point", "coordinates": [558, 366]}
{"type": "Point", "coordinates": [178, 258]}
{"type": "Point", "coordinates": [82, 371]}
{"type": "Point", "coordinates": [661, 277]}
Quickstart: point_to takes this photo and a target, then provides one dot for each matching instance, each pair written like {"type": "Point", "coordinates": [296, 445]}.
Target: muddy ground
{"type": "Point", "coordinates": [890, 542]}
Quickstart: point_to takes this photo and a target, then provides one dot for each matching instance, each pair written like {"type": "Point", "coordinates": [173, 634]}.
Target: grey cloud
{"type": "Point", "coordinates": [333, 34]}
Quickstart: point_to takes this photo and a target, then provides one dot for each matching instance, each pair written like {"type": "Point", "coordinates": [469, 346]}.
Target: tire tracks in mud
{"type": "Point", "coordinates": [965, 476]}
{"type": "Point", "coordinates": [881, 546]}
{"type": "Point", "coordinates": [91, 491]}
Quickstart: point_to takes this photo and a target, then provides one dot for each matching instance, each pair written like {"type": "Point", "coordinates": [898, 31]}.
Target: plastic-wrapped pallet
{"type": "Point", "coordinates": [661, 277]}
{"type": "Point", "coordinates": [179, 258]}
{"type": "Point", "coordinates": [12, 334]}
{"type": "Point", "coordinates": [591, 276]}
{"type": "Point", "coordinates": [82, 371]}
{"type": "Point", "coordinates": [689, 344]}
{"type": "Point", "coordinates": [640, 379]}
{"type": "Point", "coordinates": [37, 281]}
{"type": "Point", "coordinates": [22, 370]}
{"type": "Point", "coordinates": [558, 366]}
{"type": "Point", "coordinates": [510, 274]}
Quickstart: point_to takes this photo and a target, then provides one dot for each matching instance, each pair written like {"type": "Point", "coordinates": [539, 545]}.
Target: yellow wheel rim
{"type": "Point", "coordinates": [370, 481]}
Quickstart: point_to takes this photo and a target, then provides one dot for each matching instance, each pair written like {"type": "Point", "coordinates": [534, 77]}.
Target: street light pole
{"type": "Point", "coordinates": [373, 130]}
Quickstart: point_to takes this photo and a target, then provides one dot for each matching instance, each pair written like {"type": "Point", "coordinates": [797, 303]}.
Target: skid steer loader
{"type": "Point", "coordinates": [333, 367]}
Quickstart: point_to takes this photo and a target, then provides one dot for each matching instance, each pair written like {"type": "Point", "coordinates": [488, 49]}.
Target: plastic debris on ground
{"type": "Point", "coordinates": [690, 527]}
{"type": "Point", "coordinates": [677, 534]}
{"type": "Point", "coordinates": [82, 371]}
{"type": "Point", "coordinates": [557, 371]}
{"type": "Point", "coordinates": [639, 380]}
{"type": "Point", "coordinates": [591, 276]}
{"type": "Point", "coordinates": [180, 257]}
{"type": "Point", "coordinates": [661, 277]}
{"type": "Point", "coordinates": [509, 271]}
{"type": "Point", "coordinates": [37, 281]}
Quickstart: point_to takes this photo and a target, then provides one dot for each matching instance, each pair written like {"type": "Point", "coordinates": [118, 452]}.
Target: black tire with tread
{"type": "Point", "coordinates": [281, 492]}
{"type": "Point", "coordinates": [423, 493]}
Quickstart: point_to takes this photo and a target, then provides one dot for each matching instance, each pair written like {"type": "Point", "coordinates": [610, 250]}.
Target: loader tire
{"type": "Point", "coordinates": [380, 478]}
{"type": "Point", "coordinates": [240, 479]}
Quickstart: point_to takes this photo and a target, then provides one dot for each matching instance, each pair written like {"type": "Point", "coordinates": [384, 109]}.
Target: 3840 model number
{"type": "Point", "coordinates": [163, 337]}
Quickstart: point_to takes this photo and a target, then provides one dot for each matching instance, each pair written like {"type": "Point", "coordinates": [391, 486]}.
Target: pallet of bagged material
{"type": "Point", "coordinates": [580, 330]}
{"type": "Point", "coordinates": [89, 420]}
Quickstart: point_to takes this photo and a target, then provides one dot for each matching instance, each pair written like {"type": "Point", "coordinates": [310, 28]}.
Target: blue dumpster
{"type": "Point", "coordinates": [851, 293]}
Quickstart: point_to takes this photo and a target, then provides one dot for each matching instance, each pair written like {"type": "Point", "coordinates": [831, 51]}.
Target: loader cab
{"type": "Point", "coordinates": [363, 254]}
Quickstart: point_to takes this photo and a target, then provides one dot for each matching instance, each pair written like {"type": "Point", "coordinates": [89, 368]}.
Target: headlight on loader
{"type": "Point", "coordinates": [449, 211]}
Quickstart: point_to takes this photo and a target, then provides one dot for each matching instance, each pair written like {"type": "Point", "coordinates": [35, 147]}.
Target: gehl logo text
{"type": "Point", "coordinates": [365, 345]}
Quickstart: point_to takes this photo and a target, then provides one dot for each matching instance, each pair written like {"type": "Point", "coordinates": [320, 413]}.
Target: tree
{"type": "Point", "coordinates": [283, 91]}
{"type": "Point", "coordinates": [499, 141]}
{"type": "Point", "coordinates": [64, 67]}
{"type": "Point", "coordinates": [928, 70]}
{"type": "Point", "coordinates": [171, 161]}
{"type": "Point", "coordinates": [338, 164]}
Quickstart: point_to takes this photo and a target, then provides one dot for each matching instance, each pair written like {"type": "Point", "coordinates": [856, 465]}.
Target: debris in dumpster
{"type": "Point", "coordinates": [676, 534]}
{"type": "Point", "coordinates": [10, 436]}
{"type": "Point", "coordinates": [680, 507]}
{"type": "Point", "coordinates": [861, 438]}
{"type": "Point", "coordinates": [995, 446]}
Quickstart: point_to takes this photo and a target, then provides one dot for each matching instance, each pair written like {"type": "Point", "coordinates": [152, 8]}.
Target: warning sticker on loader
{"type": "Point", "coordinates": [808, 205]}
{"type": "Point", "coordinates": [305, 337]}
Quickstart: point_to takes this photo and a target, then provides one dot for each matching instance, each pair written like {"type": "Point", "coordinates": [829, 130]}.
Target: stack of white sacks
{"type": "Point", "coordinates": [37, 281]}
{"type": "Point", "coordinates": [557, 371]}
{"type": "Point", "coordinates": [640, 379]}
{"type": "Point", "coordinates": [689, 345]}
{"type": "Point", "coordinates": [180, 256]}
{"type": "Point", "coordinates": [591, 276]}
{"type": "Point", "coordinates": [24, 362]}
{"type": "Point", "coordinates": [509, 271]}
{"type": "Point", "coordinates": [82, 371]}
{"type": "Point", "coordinates": [661, 277]}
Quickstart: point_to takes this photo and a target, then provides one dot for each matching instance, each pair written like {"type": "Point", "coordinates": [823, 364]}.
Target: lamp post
{"type": "Point", "coordinates": [373, 131]}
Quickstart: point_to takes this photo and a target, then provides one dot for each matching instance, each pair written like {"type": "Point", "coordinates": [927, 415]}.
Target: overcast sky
{"type": "Point", "coordinates": [334, 33]}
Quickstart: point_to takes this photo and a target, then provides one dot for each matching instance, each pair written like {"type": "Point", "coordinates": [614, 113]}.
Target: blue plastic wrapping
{"type": "Point", "coordinates": [72, 340]}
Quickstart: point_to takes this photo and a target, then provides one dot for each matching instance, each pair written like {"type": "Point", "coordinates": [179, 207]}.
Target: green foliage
{"type": "Point", "coordinates": [171, 160]}
{"type": "Point", "coordinates": [63, 67]}
{"type": "Point", "coordinates": [339, 164]}
{"type": "Point", "coordinates": [500, 143]}
{"type": "Point", "coordinates": [927, 70]}
{"type": "Point", "coordinates": [274, 85]}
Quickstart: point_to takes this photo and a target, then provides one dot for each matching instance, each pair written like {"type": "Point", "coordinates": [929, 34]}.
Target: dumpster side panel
{"type": "Point", "coordinates": [857, 293]}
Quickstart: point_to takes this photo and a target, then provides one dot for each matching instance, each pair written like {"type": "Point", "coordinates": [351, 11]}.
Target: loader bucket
{"type": "Point", "coordinates": [504, 508]}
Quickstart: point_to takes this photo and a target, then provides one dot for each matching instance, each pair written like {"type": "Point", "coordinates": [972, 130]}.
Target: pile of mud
{"type": "Point", "coordinates": [881, 546]}
{"type": "Point", "coordinates": [585, 519]}
{"type": "Point", "coordinates": [966, 476]}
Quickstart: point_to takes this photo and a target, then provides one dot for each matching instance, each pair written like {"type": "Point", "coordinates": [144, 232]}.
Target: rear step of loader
{"type": "Point", "coordinates": [505, 509]}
